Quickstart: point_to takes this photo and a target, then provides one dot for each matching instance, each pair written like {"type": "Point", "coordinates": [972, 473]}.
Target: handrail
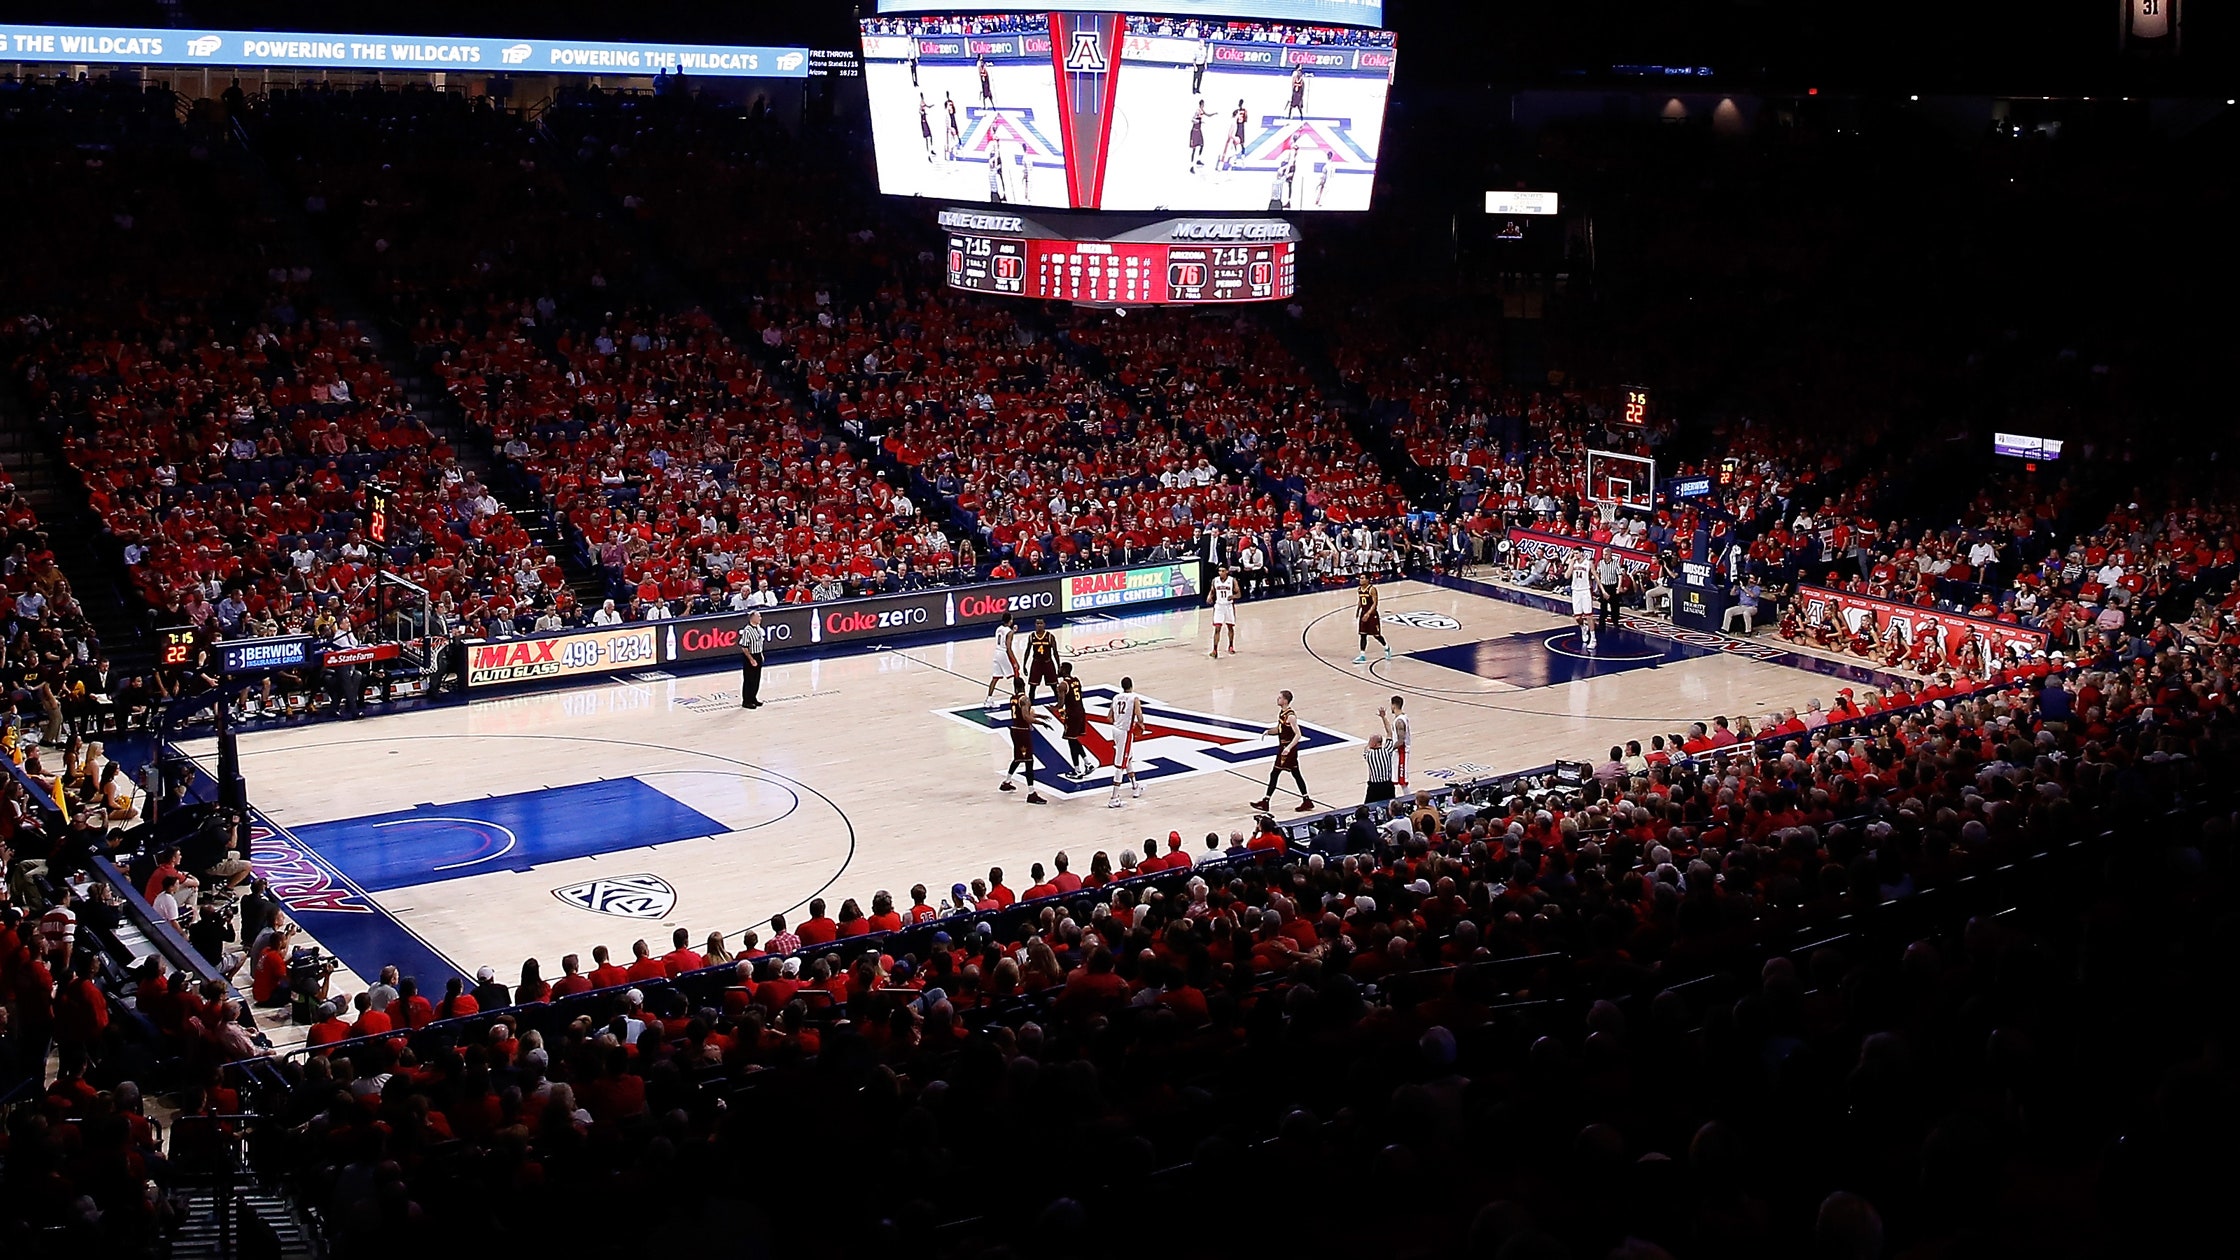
{"type": "Point", "coordinates": [165, 934]}
{"type": "Point", "coordinates": [48, 801]}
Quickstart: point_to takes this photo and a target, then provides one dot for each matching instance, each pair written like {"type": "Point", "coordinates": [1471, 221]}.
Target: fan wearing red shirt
{"type": "Point", "coordinates": [920, 912]}
{"type": "Point", "coordinates": [370, 1022]}
{"type": "Point", "coordinates": [1001, 895]}
{"type": "Point", "coordinates": [1065, 881]}
{"type": "Point", "coordinates": [1094, 988]}
{"type": "Point", "coordinates": [1040, 888]}
{"type": "Point", "coordinates": [1177, 857]}
{"type": "Point", "coordinates": [329, 1030]}
{"type": "Point", "coordinates": [81, 1010]}
{"type": "Point", "coordinates": [604, 974]}
{"type": "Point", "coordinates": [457, 1002]}
{"type": "Point", "coordinates": [681, 957]}
{"type": "Point", "coordinates": [773, 994]}
{"type": "Point", "coordinates": [269, 982]}
{"type": "Point", "coordinates": [643, 965]}
{"type": "Point", "coordinates": [410, 1008]}
{"type": "Point", "coordinates": [818, 928]}
{"type": "Point", "coordinates": [572, 981]}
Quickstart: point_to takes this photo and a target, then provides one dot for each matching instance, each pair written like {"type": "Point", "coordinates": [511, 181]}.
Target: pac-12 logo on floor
{"type": "Point", "coordinates": [1423, 619]}
{"type": "Point", "coordinates": [1176, 743]}
{"type": "Point", "coordinates": [624, 896]}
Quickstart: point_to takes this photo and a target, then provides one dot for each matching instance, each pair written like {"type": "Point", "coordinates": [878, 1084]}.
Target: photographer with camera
{"type": "Point", "coordinates": [213, 931]}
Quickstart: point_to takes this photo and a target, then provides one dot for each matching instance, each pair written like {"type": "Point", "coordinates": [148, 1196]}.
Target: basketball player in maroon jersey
{"type": "Point", "coordinates": [1288, 738]}
{"type": "Point", "coordinates": [1023, 721]}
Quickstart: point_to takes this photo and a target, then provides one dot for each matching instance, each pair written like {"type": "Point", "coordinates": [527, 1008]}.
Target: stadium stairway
{"type": "Point", "coordinates": [657, 280]}
{"type": "Point", "coordinates": [660, 277]}
{"type": "Point", "coordinates": [263, 1225]}
{"type": "Point", "coordinates": [1350, 401]}
{"type": "Point", "coordinates": [87, 554]}
{"type": "Point", "coordinates": [430, 401]}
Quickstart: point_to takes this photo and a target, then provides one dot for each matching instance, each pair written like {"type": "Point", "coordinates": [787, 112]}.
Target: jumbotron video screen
{"type": "Point", "coordinates": [1123, 111]}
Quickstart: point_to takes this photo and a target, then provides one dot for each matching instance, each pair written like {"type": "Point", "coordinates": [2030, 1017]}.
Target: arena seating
{"type": "Point", "coordinates": [1878, 967]}
{"type": "Point", "coordinates": [224, 436]}
{"type": "Point", "coordinates": [1803, 930]}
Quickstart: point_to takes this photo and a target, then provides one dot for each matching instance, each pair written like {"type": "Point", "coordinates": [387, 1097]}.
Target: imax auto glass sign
{"type": "Point", "coordinates": [601, 650]}
{"type": "Point", "coordinates": [108, 45]}
{"type": "Point", "coordinates": [1343, 12]}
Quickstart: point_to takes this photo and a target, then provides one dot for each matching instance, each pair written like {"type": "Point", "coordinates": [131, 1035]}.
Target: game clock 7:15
{"type": "Point", "coordinates": [176, 647]}
{"type": "Point", "coordinates": [987, 264]}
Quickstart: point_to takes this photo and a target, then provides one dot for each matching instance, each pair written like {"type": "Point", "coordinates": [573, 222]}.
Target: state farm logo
{"type": "Point", "coordinates": [997, 605]}
{"type": "Point", "coordinates": [867, 622]}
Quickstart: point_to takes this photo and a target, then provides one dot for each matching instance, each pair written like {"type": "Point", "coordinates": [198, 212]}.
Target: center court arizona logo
{"type": "Point", "coordinates": [1012, 130]}
{"type": "Point", "coordinates": [1318, 142]}
{"type": "Point", "coordinates": [1176, 743]}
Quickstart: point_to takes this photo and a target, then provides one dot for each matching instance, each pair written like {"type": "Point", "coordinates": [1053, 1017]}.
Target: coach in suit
{"type": "Point", "coordinates": [752, 640]}
{"type": "Point", "coordinates": [1287, 560]}
{"type": "Point", "coordinates": [1220, 548]}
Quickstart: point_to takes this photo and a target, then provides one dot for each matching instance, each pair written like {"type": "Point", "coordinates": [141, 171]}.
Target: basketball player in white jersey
{"type": "Point", "coordinates": [1223, 597]}
{"type": "Point", "coordinates": [1582, 597]}
{"type": "Point", "coordinates": [1004, 665]}
{"type": "Point", "coordinates": [1398, 734]}
{"type": "Point", "coordinates": [1127, 725]}
{"type": "Point", "coordinates": [995, 174]}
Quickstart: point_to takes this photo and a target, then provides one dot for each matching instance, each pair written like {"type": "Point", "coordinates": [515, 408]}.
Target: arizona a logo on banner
{"type": "Point", "coordinates": [1086, 48]}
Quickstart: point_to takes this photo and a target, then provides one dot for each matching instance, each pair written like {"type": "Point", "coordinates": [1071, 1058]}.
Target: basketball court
{"type": "Point", "coordinates": [547, 822]}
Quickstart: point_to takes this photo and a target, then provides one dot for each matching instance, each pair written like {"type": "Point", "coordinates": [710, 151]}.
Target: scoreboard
{"type": "Point", "coordinates": [987, 264]}
{"type": "Point", "coordinates": [1213, 261]}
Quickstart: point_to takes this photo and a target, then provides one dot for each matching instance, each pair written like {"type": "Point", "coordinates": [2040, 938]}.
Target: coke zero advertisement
{"type": "Point", "coordinates": [796, 627]}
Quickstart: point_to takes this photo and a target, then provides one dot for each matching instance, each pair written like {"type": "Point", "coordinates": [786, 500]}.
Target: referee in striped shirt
{"type": "Point", "coordinates": [1380, 755]}
{"type": "Point", "coordinates": [752, 639]}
